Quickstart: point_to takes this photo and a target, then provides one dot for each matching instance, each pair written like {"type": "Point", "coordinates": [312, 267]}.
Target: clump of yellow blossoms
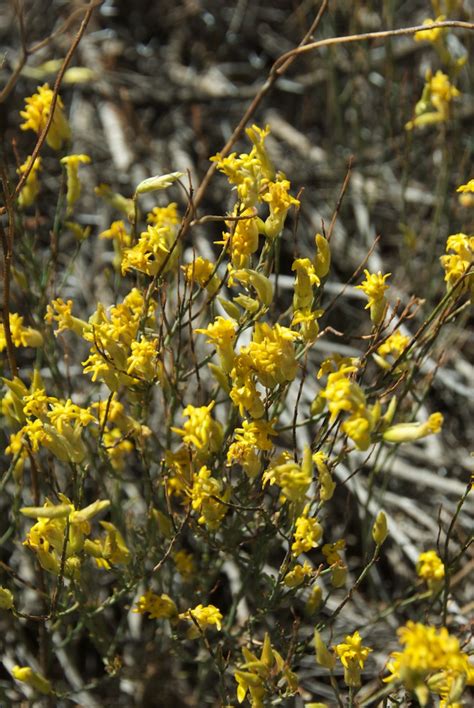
{"type": "Point", "coordinates": [431, 661]}
{"type": "Point", "coordinates": [308, 533]}
{"type": "Point", "coordinates": [430, 568]}
{"type": "Point", "coordinates": [61, 532]}
{"type": "Point", "coordinates": [458, 263]}
{"type": "Point", "coordinates": [36, 114]}
{"type": "Point", "coordinates": [259, 677]}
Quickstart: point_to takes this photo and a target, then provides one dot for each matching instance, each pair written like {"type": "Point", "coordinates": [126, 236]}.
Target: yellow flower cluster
{"type": "Point", "coordinates": [431, 661]}
{"type": "Point", "coordinates": [156, 250]}
{"type": "Point", "coordinates": [308, 533]}
{"type": "Point", "coordinates": [61, 531]}
{"type": "Point", "coordinates": [430, 567]}
{"type": "Point", "coordinates": [36, 114]}
{"type": "Point", "coordinates": [458, 261]}
{"type": "Point", "coordinates": [263, 676]}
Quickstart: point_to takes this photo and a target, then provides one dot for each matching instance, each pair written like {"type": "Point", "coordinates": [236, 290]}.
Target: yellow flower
{"type": "Point", "coordinates": [21, 336]}
{"type": "Point", "coordinates": [271, 354]}
{"type": "Point", "coordinates": [427, 651]}
{"type": "Point", "coordinates": [430, 567]}
{"type": "Point", "coordinates": [307, 534]}
{"type": "Point", "coordinates": [409, 432]}
{"type": "Point", "coordinates": [298, 575]}
{"type": "Point", "coordinates": [326, 482]}
{"type": "Point", "coordinates": [61, 312]}
{"type": "Point", "coordinates": [374, 287]}
{"type": "Point", "coordinates": [48, 537]}
{"type": "Point", "coordinates": [206, 493]}
{"type": "Point", "coordinates": [306, 279]}
{"type": "Point", "coordinates": [430, 35]}
{"type": "Point", "coordinates": [36, 115]}
{"type": "Point", "coordinates": [30, 191]}
{"type": "Point", "coordinates": [200, 271]}
{"type": "Point", "coordinates": [222, 333]}
{"type": "Point", "coordinates": [456, 264]}
{"type": "Point", "coordinates": [72, 163]}
{"type": "Point", "coordinates": [204, 616]}
{"type": "Point", "coordinates": [353, 656]}
{"type": "Point", "coordinates": [253, 437]}
{"type": "Point", "coordinates": [110, 550]}
{"type": "Point", "coordinates": [248, 171]}
{"type": "Point", "coordinates": [25, 674]}
{"type": "Point", "coordinates": [279, 201]}
{"type": "Point", "coordinates": [156, 606]}
{"type": "Point", "coordinates": [435, 102]}
{"type": "Point", "coordinates": [143, 359]}
{"type": "Point", "coordinates": [118, 233]}
{"type": "Point", "coordinates": [164, 216]}
{"type": "Point", "coordinates": [292, 478]}
{"type": "Point", "coordinates": [466, 188]}
{"type": "Point", "coordinates": [200, 431]}
{"type": "Point", "coordinates": [242, 239]}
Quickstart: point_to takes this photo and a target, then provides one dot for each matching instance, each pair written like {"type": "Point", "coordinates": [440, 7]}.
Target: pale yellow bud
{"type": "Point", "coordinates": [6, 599]}
{"type": "Point", "coordinates": [323, 656]}
{"type": "Point", "coordinates": [380, 528]}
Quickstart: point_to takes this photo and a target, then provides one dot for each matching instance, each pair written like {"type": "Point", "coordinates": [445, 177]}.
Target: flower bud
{"type": "Point", "coordinates": [380, 528]}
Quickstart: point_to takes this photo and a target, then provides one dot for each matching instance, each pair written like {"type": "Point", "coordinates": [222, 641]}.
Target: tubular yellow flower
{"type": "Point", "coordinates": [353, 656]}
{"type": "Point", "coordinates": [466, 188]}
{"type": "Point", "coordinates": [306, 279]}
{"type": "Point", "coordinates": [21, 336]}
{"type": "Point", "coordinates": [30, 191]}
{"type": "Point", "coordinates": [409, 432]}
{"type": "Point", "coordinates": [200, 431]}
{"type": "Point", "coordinates": [271, 354]}
{"type": "Point", "coordinates": [242, 239]}
{"type": "Point", "coordinates": [72, 163]}
{"type": "Point", "coordinates": [279, 202]}
{"type": "Point", "coordinates": [36, 115]}
{"type": "Point", "coordinates": [435, 103]}
{"type": "Point", "coordinates": [156, 606]}
{"type": "Point", "coordinates": [222, 333]}
{"type": "Point", "coordinates": [25, 674]}
{"type": "Point", "coordinates": [374, 287]}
